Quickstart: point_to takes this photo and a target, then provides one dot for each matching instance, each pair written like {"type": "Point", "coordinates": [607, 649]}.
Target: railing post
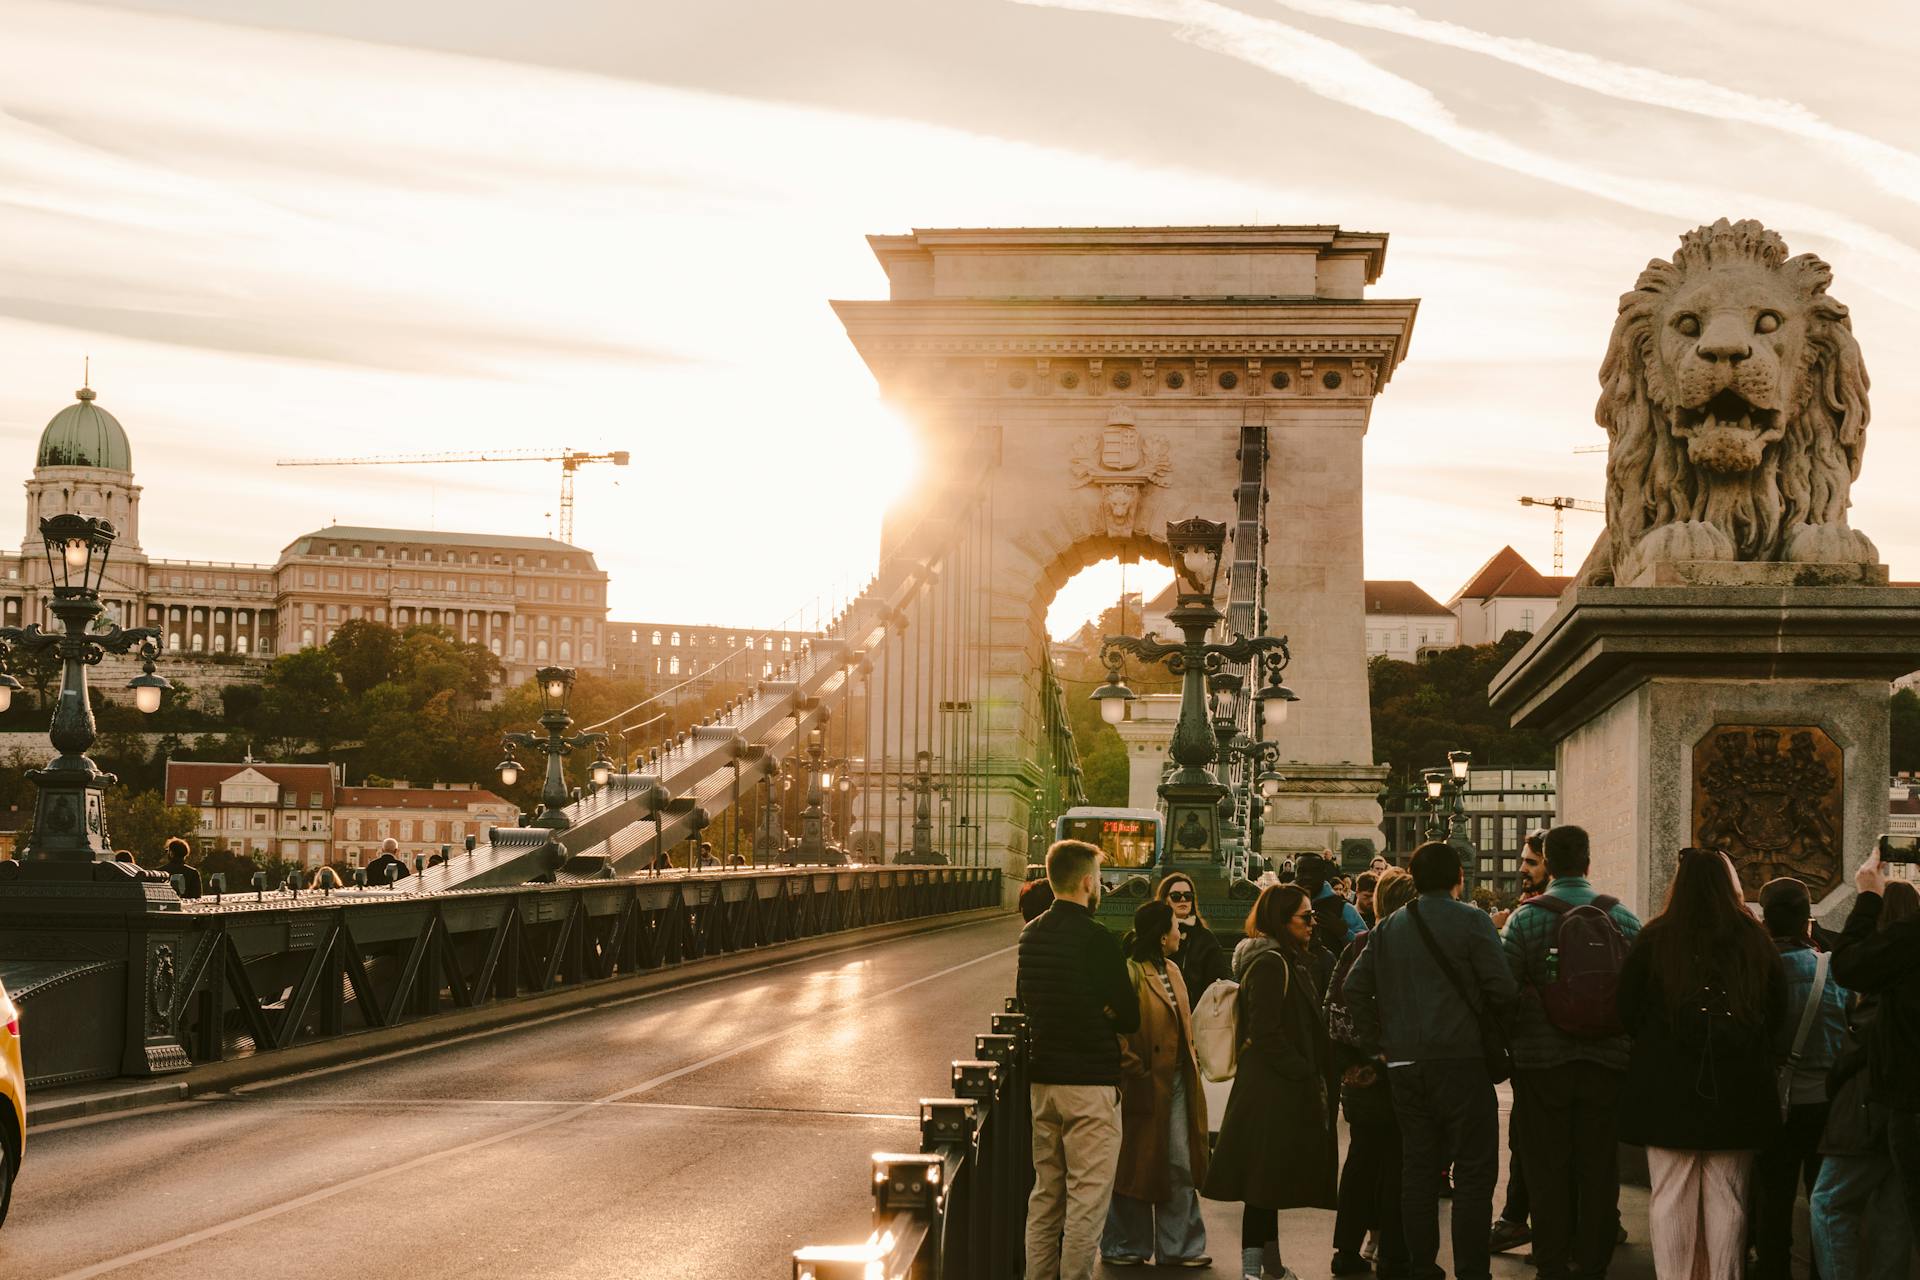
{"type": "Point", "coordinates": [980, 1082]}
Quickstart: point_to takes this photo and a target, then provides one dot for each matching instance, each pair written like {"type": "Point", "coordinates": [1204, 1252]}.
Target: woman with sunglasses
{"type": "Point", "coordinates": [1202, 960]}
{"type": "Point", "coordinates": [1704, 995]}
{"type": "Point", "coordinates": [1276, 1148]}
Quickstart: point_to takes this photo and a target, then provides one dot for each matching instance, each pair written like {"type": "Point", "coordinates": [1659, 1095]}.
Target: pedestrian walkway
{"type": "Point", "coordinates": [1307, 1236]}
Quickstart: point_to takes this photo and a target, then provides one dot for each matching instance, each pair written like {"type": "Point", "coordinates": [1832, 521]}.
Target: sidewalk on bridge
{"type": "Point", "coordinates": [1306, 1235]}
{"type": "Point", "coordinates": [101, 1097]}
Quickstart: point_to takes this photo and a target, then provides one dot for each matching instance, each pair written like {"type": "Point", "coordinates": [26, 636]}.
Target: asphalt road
{"type": "Point", "coordinates": [705, 1131]}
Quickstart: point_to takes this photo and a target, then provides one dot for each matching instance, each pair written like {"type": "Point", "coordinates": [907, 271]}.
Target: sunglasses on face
{"type": "Point", "coordinates": [1180, 895]}
{"type": "Point", "coordinates": [1306, 915]}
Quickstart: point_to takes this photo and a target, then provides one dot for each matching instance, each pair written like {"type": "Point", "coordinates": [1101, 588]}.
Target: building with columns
{"type": "Point", "coordinates": [529, 600]}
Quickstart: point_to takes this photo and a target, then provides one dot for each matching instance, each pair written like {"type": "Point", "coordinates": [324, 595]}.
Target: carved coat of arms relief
{"type": "Point", "coordinates": [1122, 464]}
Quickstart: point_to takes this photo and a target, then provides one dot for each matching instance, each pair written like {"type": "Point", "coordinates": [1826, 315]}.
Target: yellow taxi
{"type": "Point", "coordinates": [13, 1090]}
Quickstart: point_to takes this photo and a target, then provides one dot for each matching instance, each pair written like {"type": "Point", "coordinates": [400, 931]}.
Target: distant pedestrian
{"type": "Point", "coordinates": [1381, 862]}
{"type": "Point", "coordinates": [1426, 995]}
{"type": "Point", "coordinates": [706, 855]}
{"type": "Point", "coordinates": [1567, 946]}
{"type": "Point", "coordinates": [1155, 1212]}
{"type": "Point", "coordinates": [325, 878]}
{"type": "Point", "coordinates": [1886, 962]}
{"type": "Point", "coordinates": [1857, 1213]}
{"type": "Point", "coordinates": [1815, 1028]}
{"type": "Point", "coordinates": [179, 869]}
{"type": "Point", "coordinates": [736, 859]}
{"type": "Point", "coordinates": [1035, 896]}
{"type": "Point", "coordinates": [1703, 996]}
{"type": "Point", "coordinates": [1370, 1179]}
{"type": "Point", "coordinates": [1337, 921]}
{"type": "Point", "coordinates": [388, 866]}
{"type": "Point", "coordinates": [1202, 960]}
{"type": "Point", "coordinates": [1277, 1148]}
{"type": "Point", "coordinates": [1073, 985]}
{"type": "Point", "coordinates": [1363, 889]}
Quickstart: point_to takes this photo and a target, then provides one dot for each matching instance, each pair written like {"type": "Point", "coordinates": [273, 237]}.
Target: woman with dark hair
{"type": "Point", "coordinates": [1202, 960]}
{"type": "Point", "coordinates": [1858, 1182]}
{"type": "Point", "coordinates": [1276, 1148]}
{"type": "Point", "coordinates": [1163, 1115]}
{"type": "Point", "coordinates": [1703, 995]}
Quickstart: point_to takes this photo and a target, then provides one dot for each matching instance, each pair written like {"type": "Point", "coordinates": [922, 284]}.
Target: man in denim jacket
{"type": "Point", "coordinates": [1794, 1153]}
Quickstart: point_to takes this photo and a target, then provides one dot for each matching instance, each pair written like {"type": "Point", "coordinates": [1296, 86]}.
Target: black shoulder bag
{"type": "Point", "coordinates": [1493, 1037]}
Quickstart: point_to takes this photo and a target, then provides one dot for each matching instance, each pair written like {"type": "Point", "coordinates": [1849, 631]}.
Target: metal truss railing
{"type": "Point", "coordinates": [255, 976]}
{"type": "Point", "coordinates": [957, 1208]}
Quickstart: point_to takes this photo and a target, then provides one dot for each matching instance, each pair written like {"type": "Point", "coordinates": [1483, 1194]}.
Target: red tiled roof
{"type": "Point", "coordinates": [416, 798]}
{"type": "Point", "coordinates": [197, 775]}
{"type": "Point", "coordinates": [1508, 575]}
{"type": "Point", "coordinates": [1396, 596]}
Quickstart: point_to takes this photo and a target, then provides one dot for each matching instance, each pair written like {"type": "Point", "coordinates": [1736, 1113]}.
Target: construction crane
{"type": "Point", "coordinates": [570, 460]}
{"type": "Point", "coordinates": [1560, 508]}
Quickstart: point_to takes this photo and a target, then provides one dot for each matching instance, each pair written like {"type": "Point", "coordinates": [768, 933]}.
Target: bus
{"type": "Point", "coordinates": [1130, 838]}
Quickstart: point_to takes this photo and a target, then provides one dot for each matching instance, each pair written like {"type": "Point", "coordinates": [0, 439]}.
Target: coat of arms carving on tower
{"type": "Point", "coordinates": [1776, 812]}
{"type": "Point", "coordinates": [1123, 464]}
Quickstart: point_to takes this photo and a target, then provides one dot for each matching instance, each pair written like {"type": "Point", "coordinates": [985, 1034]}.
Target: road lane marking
{"type": "Point", "coordinates": [479, 1144]}
{"type": "Point", "coordinates": [363, 1106]}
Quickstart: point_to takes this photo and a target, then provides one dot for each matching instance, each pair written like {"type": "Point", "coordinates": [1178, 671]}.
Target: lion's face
{"type": "Point", "coordinates": [1731, 344]}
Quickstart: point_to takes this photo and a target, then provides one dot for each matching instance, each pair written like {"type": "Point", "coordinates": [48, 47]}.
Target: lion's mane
{"type": "Point", "coordinates": [1803, 478]}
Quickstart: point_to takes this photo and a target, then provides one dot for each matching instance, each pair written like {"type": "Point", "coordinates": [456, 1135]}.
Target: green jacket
{"type": "Point", "coordinates": [1537, 1043]}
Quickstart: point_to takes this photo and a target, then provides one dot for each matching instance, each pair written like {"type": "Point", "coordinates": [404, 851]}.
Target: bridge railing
{"type": "Point", "coordinates": [957, 1208]}
{"type": "Point", "coordinates": [261, 973]}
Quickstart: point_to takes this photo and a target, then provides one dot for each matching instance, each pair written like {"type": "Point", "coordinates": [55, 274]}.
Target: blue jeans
{"type": "Point", "coordinates": [1853, 1191]}
{"type": "Point", "coordinates": [1171, 1230]}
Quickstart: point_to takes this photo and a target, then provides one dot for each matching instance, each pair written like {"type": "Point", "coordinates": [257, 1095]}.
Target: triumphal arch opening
{"type": "Point", "coordinates": [1084, 386]}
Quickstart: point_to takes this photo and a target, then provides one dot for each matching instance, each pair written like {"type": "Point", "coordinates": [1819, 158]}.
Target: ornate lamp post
{"type": "Point", "coordinates": [1192, 795]}
{"type": "Point", "coordinates": [822, 777]}
{"type": "Point", "coordinates": [556, 688]}
{"type": "Point", "coordinates": [69, 822]}
{"type": "Point", "coordinates": [921, 786]}
{"type": "Point", "coordinates": [770, 840]}
{"type": "Point", "coordinates": [1446, 813]}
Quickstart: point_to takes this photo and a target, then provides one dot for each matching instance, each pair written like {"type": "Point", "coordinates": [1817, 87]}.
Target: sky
{"type": "Point", "coordinates": [361, 228]}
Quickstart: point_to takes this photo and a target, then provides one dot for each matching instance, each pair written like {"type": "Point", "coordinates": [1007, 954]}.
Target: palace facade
{"type": "Point", "coordinates": [529, 600]}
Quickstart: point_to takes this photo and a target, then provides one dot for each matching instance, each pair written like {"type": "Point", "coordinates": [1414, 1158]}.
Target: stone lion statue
{"type": "Point", "coordinates": [1735, 404]}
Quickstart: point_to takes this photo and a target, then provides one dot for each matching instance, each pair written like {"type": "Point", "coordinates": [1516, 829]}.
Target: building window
{"type": "Point", "coordinates": [1526, 619]}
{"type": "Point", "coordinates": [566, 651]}
{"type": "Point", "coordinates": [540, 650]}
{"type": "Point", "coordinates": [586, 651]}
{"type": "Point", "coordinates": [179, 795]}
{"type": "Point", "coordinates": [673, 666]}
{"type": "Point", "coordinates": [206, 795]}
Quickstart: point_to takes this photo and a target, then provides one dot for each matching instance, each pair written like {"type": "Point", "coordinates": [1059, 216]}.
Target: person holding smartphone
{"type": "Point", "coordinates": [1886, 963]}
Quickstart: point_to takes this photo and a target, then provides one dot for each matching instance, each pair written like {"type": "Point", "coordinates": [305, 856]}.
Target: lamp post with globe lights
{"type": "Point", "coordinates": [823, 775]}
{"type": "Point", "coordinates": [69, 822]}
{"type": "Point", "coordinates": [1190, 797]}
{"type": "Point", "coordinates": [556, 689]}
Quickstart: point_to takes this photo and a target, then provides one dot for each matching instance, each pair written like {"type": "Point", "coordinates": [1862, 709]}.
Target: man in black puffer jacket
{"type": "Point", "coordinates": [1886, 962]}
{"type": "Point", "coordinates": [1074, 989]}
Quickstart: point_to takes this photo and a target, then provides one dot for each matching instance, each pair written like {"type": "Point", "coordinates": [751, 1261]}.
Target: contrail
{"type": "Point", "coordinates": [1887, 166]}
{"type": "Point", "coordinates": [1337, 73]}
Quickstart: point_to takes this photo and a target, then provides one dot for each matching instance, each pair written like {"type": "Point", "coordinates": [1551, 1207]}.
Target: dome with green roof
{"type": "Point", "coordinates": [85, 435]}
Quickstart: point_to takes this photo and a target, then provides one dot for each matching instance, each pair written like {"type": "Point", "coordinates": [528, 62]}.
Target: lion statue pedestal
{"type": "Point", "coordinates": [1718, 675]}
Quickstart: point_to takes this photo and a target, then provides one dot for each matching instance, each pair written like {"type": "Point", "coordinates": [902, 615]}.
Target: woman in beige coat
{"type": "Point", "coordinates": [1163, 1114]}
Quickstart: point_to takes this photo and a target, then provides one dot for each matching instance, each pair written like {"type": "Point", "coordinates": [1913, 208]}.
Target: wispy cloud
{"type": "Point", "coordinates": [1888, 167]}
{"type": "Point", "coordinates": [1339, 74]}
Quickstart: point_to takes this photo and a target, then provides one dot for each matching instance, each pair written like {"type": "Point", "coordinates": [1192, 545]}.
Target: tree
{"type": "Point", "coordinates": [1105, 772]}
{"type": "Point", "coordinates": [364, 653]}
{"type": "Point", "coordinates": [143, 821]}
{"type": "Point", "coordinates": [304, 698]}
{"type": "Point", "coordinates": [1422, 710]}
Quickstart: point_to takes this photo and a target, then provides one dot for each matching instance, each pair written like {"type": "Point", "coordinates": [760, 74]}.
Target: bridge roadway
{"type": "Point", "coordinates": [701, 1131]}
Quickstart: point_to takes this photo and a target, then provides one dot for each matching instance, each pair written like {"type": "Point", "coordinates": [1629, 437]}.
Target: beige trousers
{"type": "Point", "coordinates": [1699, 1212]}
{"type": "Point", "coordinates": [1076, 1150]}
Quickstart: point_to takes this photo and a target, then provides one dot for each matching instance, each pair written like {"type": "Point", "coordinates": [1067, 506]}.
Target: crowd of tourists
{"type": "Point", "coordinates": [1751, 1055]}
